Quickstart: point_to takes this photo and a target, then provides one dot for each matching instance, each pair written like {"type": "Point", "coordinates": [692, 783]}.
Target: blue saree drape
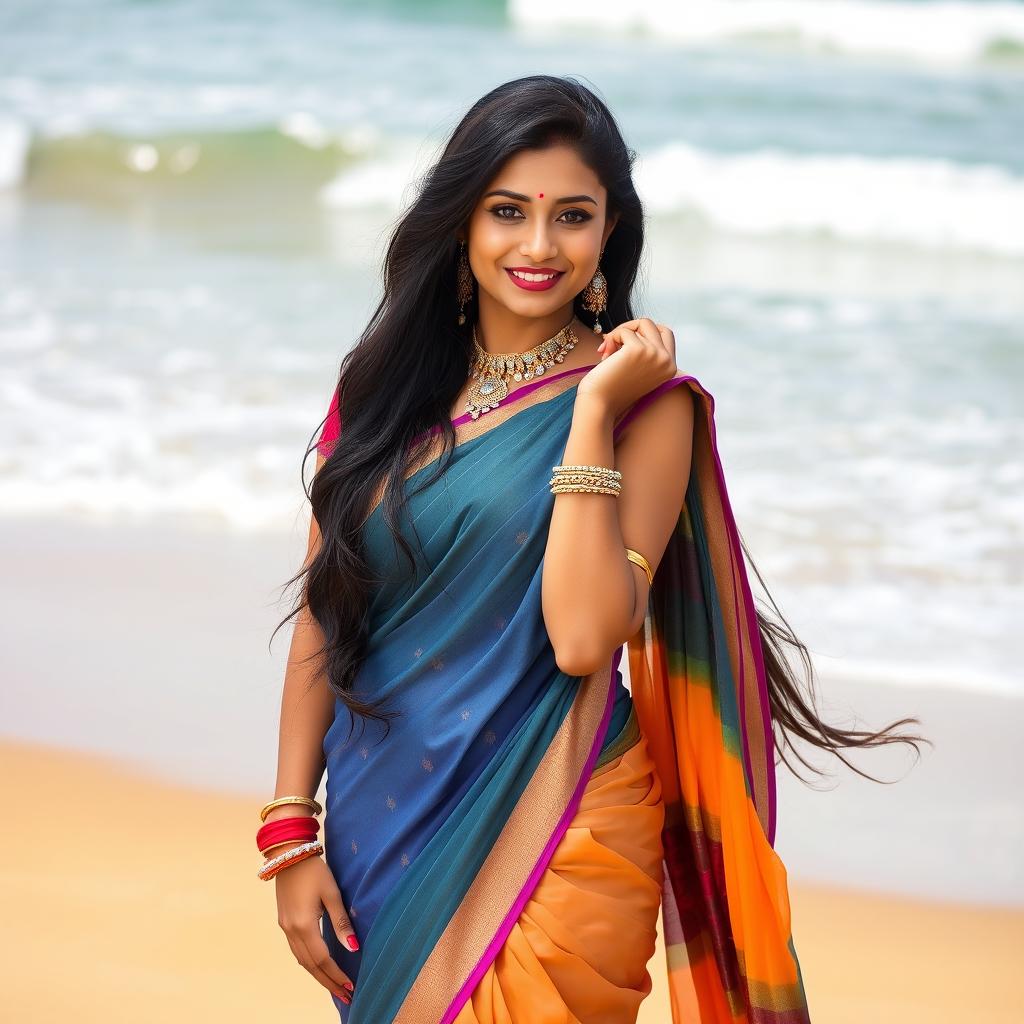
{"type": "Point", "coordinates": [438, 832]}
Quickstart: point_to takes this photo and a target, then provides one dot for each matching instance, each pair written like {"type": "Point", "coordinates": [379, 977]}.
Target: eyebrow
{"type": "Point", "coordinates": [526, 199]}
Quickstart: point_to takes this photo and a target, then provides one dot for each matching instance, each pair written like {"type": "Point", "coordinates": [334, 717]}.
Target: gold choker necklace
{"type": "Point", "coordinates": [492, 372]}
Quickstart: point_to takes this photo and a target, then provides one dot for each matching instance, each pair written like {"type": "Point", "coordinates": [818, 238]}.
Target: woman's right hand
{"type": "Point", "coordinates": [304, 891]}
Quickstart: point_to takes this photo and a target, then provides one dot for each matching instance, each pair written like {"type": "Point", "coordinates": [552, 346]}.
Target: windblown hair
{"type": "Point", "coordinates": [413, 336]}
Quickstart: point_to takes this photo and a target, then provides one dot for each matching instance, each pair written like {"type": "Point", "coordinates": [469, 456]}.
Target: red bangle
{"type": "Point", "coordinates": [303, 823]}
{"type": "Point", "coordinates": [303, 827]}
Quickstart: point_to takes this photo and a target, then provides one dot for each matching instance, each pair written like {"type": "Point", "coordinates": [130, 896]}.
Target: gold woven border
{"type": "Point", "coordinates": [629, 735]}
{"type": "Point", "coordinates": [508, 865]}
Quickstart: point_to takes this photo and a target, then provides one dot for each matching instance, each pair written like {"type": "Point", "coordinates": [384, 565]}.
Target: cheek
{"type": "Point", "coordinates": [582, 256]}
{"type": "Point", "coordinates": [489, 246]}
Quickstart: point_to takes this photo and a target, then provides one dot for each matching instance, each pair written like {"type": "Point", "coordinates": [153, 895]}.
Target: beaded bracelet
{"type": "Point", "coordinates": [604, 470]}
{"type": "Point", "coordinates": [275, 864]}
{"type": "Point", "coordinates": [568, 479]}
{"type": "Point", "coordinates": [595, 479]}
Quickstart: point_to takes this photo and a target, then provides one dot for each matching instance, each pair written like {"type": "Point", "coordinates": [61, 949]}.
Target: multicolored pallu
{"type": "Point", "coordinates": [438, 833]}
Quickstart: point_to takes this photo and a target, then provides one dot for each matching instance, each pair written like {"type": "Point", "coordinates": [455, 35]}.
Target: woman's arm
{"type": "Point", "coordinates": [594, 598]}
{"type": "Point", "coordinates": [307, 707]}
{"type": "Point", "coordinates": [306, 889]}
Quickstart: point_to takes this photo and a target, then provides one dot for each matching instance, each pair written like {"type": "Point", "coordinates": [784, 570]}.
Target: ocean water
{"type": "Point", "coordinates": [194, 199]}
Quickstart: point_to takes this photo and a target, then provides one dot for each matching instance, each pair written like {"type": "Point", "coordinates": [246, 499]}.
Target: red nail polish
{"type": "Point", "coordinates": [353, 942]}
{"type": "Point", "coordinates": [349, 985]}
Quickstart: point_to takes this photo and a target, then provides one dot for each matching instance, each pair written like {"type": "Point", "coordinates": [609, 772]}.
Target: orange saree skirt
{"type": "Point", "coordinates": [579, 950]}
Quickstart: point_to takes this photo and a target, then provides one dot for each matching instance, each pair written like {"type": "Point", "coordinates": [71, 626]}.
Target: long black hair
{"type": "Point", "coordinates": [413, 336]}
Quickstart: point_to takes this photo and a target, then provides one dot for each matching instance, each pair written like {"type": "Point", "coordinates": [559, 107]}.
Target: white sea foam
{"type": "Point", "coordinates": [15, 141]}
{"type": "Point", "coordinates": [889, 671]}
{"type": "Point", "coordinates": [930, 32]}
{"type": "Point", "coordinates": [921, 202]}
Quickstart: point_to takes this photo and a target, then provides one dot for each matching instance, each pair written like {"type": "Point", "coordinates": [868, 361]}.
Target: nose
{"type": "Point", "coordinates": [538, 246]}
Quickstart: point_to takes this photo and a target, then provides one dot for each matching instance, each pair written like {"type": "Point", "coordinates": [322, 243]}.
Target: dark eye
{"type": "Point", "coordinates": [581, 216]}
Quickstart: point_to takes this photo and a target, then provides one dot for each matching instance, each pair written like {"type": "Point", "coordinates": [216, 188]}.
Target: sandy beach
{"type": "Point", "coordinates": [153, 722]}
{"type": "Point", "coordinates": [142, 904]}
{"type": "Point", "coordinates": [139, 690]}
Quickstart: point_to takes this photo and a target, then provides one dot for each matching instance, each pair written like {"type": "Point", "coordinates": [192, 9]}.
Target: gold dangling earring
{"type": "Point", "coordinates": [595, 295]}
{"type": "Point", "coordinates": [465, 282]}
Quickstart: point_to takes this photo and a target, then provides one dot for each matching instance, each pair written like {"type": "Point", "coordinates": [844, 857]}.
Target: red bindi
{"type": "Point", "coordinates": [540, 195]}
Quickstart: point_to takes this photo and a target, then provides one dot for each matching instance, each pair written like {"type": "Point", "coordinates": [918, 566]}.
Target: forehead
{"type": "Point", "coordinates": [555, 171]}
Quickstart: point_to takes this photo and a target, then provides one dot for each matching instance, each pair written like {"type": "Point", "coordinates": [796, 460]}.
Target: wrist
{"type": "Point", "coordinates": [593, 407]}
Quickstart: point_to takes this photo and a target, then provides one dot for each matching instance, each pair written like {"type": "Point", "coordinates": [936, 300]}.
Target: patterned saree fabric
{"type": "Point", "coordinates": [445, 835]}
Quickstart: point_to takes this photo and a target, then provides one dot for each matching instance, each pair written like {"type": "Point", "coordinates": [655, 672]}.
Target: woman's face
{"type": "Point", "coordinates": [545, 210]}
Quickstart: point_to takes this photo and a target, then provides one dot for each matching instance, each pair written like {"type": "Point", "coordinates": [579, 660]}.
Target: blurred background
{"type": "Point", "coordinates": [194, 199]}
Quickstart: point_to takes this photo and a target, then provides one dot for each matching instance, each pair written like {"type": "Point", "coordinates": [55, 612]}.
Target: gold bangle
{"type": "Point", "coordinates": [282, 800]}
{"type": "Point", "coordinates": [607, 471]}
{"type": "Point", "coordinates": [583, 489]}
{"type": "Point", "coordinates": [638, 559]}
{"type": "Point", "coordinates": [584, 478]}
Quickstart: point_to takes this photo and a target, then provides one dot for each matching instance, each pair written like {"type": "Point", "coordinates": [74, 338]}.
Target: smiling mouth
{"type": "Point", "coordinates": [533, 275]}
{"type": "Point", "coordinates": [534, 280]}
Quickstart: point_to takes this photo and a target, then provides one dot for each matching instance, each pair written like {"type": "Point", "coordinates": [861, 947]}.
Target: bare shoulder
{"type": "Point", "coordinates": [663, 421]}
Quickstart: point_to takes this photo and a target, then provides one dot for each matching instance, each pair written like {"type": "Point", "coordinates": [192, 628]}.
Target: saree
{"type": "Point", "coordinates": [441, 831]}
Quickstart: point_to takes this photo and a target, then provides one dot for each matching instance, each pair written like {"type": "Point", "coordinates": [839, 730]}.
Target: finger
{"type": "Point", "coordinates": [651, 336]}
{"type": "Point", "coordinates": [302, 958]}
{"type": "Point", "coordinates": [669, 340]}
{"type": "Point", "coordinates": [666, 349]}
{"type": "Point", "coordinates": [628, 337]}
{"type": "Point", "coordinates": [325, 970]}
{"type": "Point", "coordinates": [335, 908]}
{"type": "Point", "coordinates": [648, 329]}
{"type": "Point", "coordinates": [307, 957]}
{"type": "Point", "coordinates": [609, 345]}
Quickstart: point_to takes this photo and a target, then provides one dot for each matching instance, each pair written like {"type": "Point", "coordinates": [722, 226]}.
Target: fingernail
{"type": "Point", "coordinates": [349, 985]}
{"type": "Point", "coordinates": [353, 942]}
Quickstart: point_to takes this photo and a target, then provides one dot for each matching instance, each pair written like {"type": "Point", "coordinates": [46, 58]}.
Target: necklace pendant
{"type": "Point", "coordinates": [485, 394]}
{"type": "Point", "coordinates": [492, 372]}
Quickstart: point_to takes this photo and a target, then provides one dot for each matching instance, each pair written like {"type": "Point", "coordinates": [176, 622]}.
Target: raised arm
{"type": "Point", "coordinates": [594, 598]}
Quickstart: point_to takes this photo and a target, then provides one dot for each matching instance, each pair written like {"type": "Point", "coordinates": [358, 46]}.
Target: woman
{"type": "Point", "coordinates": [504, 817]}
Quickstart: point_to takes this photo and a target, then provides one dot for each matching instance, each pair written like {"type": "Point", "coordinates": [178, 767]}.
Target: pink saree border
{"type": "Point", "coordinates": [749, 612]}
{"type": "Point", "coordinates": [537, 382]}
{"type": "Point", "coordinates": [332, 425]}
{"type": "Point", "coordinates": [542, 861]}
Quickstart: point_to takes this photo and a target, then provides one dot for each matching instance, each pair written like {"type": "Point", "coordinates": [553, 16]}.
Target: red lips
{"type": "Point", "coordinates": [534, 286]}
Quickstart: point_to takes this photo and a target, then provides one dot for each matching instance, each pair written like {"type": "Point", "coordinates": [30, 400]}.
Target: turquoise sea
{"type": "Point", "coordinates": [194, 199]}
